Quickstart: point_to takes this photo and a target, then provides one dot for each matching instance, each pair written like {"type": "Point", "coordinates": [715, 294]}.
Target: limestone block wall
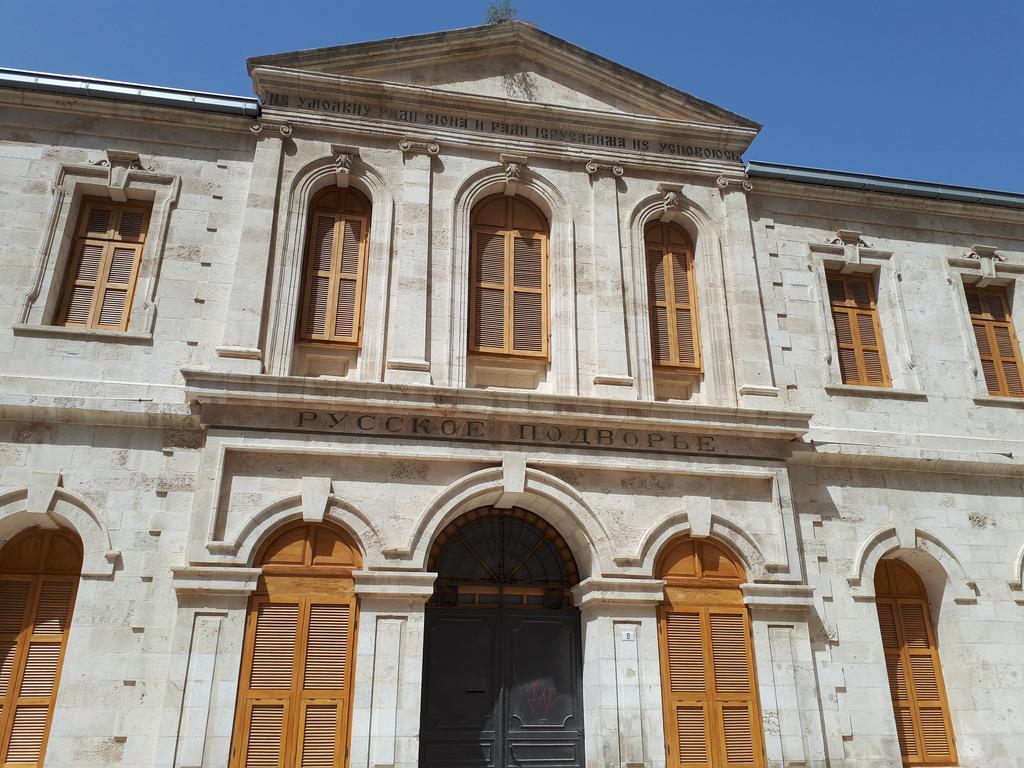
{"type": "Point", "coordinates": [48, 161]}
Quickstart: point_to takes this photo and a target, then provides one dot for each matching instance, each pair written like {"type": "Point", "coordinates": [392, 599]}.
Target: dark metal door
{"type": "Point", "coordinates": [502, 688]}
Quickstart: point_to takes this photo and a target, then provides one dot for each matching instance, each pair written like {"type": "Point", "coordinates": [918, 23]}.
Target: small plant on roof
{"type": "Point", "coordinates": [501, 11]}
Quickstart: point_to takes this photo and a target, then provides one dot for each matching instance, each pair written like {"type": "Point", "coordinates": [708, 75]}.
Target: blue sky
{"type": "Point", "coordinates": [922, 89]}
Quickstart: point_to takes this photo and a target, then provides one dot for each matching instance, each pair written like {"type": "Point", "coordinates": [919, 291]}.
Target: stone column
{"type": "Point", "coordinates": [754, 377]}
{"type": "Point", "coordinates": [621, 673]}
{"type": "Point", "coordinates": [240, 349]}
{"type": "Point", "coordinates": [612, 377]}
{"type": "Point", "coordinates": [389, 668]}
{"type": "Point", "coordinates": [409, 323]}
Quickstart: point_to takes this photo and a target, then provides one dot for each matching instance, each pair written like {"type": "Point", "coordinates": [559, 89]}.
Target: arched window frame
{"type": "Point", "coordinates": [352, 209]}
{"type": "Point", "coordinates": [912, 666]}
{"type": "Point", "coordinates": [668, 248]}
{"type": "Point", "coordinates": [703, 625]}
{"type": "Point", "coordinates": [509, 285]}
{"type": "Point", "coordinates": [308, 579]}
{"type": "Point", "coordinates": [48, 563]}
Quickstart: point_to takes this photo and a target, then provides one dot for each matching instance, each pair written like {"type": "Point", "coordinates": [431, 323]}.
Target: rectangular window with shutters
{"type": "Point", "coordinates": [508, 302]}
{"type": "Point", "coordinates": [996, 339]}
{"type": "Point", "coordinates": [104, 265]}
{"type": "Point", "coordinates": [335, 269]}
{"type": "Point", "coordinates": [858, 332]}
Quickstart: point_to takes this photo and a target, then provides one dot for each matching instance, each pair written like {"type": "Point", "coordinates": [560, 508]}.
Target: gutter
{"type": "Point", "coordinates": [89, 87]}
{"type": "Point", "coordinates": [883, 184]}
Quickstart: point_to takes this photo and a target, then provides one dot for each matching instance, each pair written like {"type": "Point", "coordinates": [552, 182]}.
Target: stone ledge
{"type": "Point", "coordinates": [597, 591]}
{"type": "Point", "coordinates": [999, 402]}
{"type": "Point", "coordinates": [214, 579]}
{"type": "Point", "coordinates": [81, 334]}
{"type": "Point", "coordinates": [790, 597]}
{"type": "Point", "coordinates": [97, 411]}
{"type": "Point", "coordinates": [858, 391]}
{"type": "Point", "coordinates": [262, 390]}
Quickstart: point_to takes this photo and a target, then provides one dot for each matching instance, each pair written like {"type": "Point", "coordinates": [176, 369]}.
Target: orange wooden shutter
{"type": "Point", "coordinates": [488, 326]}
{"type": "Point", "coordinates": [335, 266]}
{"type": "Point", "coordinates": [997, 340]}
{"type": "Point", "coordinates": [294, 698]}
{"type": "Point", "coordinates": [912, 664]}
{"type": "Point", "coordinates": [675, 340]}
{"type": "Point", "coordinates": [712, 716]}
{"type": "Point", "coordinates": [104, 265]}
{"type": "Point", "coordinates": [858, 331]}
{"type": "Point", "coordinates": [35, 615]}
{"type": "Point", "coordinates": [334, 282]}
{"type": "Point", "coordinates": [508, 281]}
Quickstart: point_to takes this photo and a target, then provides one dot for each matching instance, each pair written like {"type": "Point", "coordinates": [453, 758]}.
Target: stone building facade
{"type": "Point", "coordinates": [196, 431]}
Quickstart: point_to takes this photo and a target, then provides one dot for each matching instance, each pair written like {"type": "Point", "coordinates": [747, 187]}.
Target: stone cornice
{"type": "Point", "coordinates": [353, 89]}
{"type": "Point", "coordinates": [868, 199]}
{"type": "Point", "coordinates": [261, 391]}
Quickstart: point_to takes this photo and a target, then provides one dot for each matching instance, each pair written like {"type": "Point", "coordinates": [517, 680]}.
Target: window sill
{"type": "Point", "coordinates": [859, 391]}
{"type": "Point", "coordinates": [81, 334]}
{"type": "Point", "coordinates": [999, 401]}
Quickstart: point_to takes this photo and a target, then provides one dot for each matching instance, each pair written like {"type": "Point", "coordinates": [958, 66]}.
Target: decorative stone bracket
{"type": "Point", "coordinates": [415, 147]}
{"type": "Point", "coordinates": [343, 158]}
{"type": "Point", "coordinates": [724, 182]}
{"type": "Point", "coordinates": [258, 126]}
{"type": "Point", "coordinates": [598, 167]}
{"type": "Point", "coordinates": [118, 163]}
{"type": "Point", "coordinates": [514, 165]}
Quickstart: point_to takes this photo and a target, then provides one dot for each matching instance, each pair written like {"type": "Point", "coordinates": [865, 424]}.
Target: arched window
{"type": "Point", "coordinates": [295, 687]}
{"type": "Point", "coordinates": [39, 573]}
{"type": "Point", "coordinates": [712, 718]}
{"type": "Point", "coordinates": [335, 273]}
{"type": "Point", "coordinates": [672, 294]}
{"type": "Point", "coordinates": [912, 662]}
{"type": "Point", "coordinates": [508, 299]}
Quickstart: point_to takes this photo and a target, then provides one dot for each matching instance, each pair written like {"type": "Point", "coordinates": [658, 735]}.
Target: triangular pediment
{"type": "Point", "coordinates": [508, 61]}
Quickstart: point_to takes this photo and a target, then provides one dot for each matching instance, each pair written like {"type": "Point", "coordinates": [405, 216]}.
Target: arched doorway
{"type": "Point", "coordinates": [39, 572]}
{"type": "Point", "coordinates": [295, 687]}
{"type": "Point", "coordinates": [503, 665]}
{"type": "Point", "coordinates": [708, 683]}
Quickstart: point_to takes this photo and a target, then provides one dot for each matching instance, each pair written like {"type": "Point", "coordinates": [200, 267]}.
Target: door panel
{"type": "Point", "coordinates": [502, 689]}
{"type": "Point", "coordinates": [461, 689]}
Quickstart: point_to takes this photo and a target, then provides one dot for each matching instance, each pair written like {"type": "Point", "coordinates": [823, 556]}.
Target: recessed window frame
{"type": "Point", "coordinates": [670, 255]}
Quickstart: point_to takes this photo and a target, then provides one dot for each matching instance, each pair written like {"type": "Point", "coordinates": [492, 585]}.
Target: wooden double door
{"type": "Point", "coordinates": [502, 688]}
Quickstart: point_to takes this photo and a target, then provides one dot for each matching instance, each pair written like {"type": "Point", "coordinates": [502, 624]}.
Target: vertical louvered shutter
{"type": "Point", "coordinates": [508, 289]}
{"type": "Point", "coordinates": [712, 714]}
{"type": "Point", "coordinates": [675, 339]}
{"type": "Point", "coordinates": [858, 331]}
{"type": "Point", "coordinates": [295, 705]}
{"type": "Point", "coordinates": [35, 614]}
{"type": "Point", "coordinates": [915, 682]}
{"type": "Point", "coordinates": [335, 269]}
{"type": "Point", "coordinates": [104, 266]}
{"type": "Point", "coordinates": [997, 341]}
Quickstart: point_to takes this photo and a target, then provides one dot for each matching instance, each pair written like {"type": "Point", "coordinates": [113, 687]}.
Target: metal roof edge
{"type": "Point", "coordinates": [91, 87]}
{"type": "Point", "coordinates": [884, 184]}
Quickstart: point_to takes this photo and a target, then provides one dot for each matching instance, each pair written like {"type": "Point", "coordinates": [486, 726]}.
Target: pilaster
{"type": "Point", "coordinates": [240, 349]}
{"type": "Point", "coordinates": [621, 672]}
{"type": "Point", "coordinates": [752, 361]}
{"type": "Point", "coordinates": [389, 668]}
{"type": "Point", "coordinates": [409, 324]}
{"type": "Point", "coordinates": [612, 377]}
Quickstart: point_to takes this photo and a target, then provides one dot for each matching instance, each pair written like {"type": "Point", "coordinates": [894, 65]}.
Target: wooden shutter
{"type": "Point", "coordinates": [997, 340]}
{"type": "Point", "coordinates": [104, 265]}
{"type": "Point", "coordinates": [858, 331]}
{"type": "Point", "coordinates": [35, 616]}
{"type": "Point", "coordinates": [295, 687]}
{"type": "Point", "coordinates": [508, 285]}
{"type": "Point", "coordinates": [335, 268]}
{"type": "Point", "coordinates": [920, 709]}
{"type": "Point", "coordinates": [712, 715]}
{"type": "Point", "coordinates": [672, 296]}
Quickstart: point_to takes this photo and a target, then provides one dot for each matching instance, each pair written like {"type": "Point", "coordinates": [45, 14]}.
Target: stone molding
{"type": "Point", "coordinates": [1016, 583]}
{"type": "Point", "coordinates": [599, 167]}
{"type": "Point", "coordinates": [119, 175]}
{"type": "Point", "coordinates": [778, 597]}
{"type": "Point", "coordinates": [595, 592]}
{"type": "Point", "coordinates": [415, 586]}
{"type": "Point", "coordinates": [416, 147]}
{"type": "Point", "coordinates": [886, 540]}
{"type": "Point", "coordinates": [46, 503]}
{"type": "Point", "coordinates": [215, 580]}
